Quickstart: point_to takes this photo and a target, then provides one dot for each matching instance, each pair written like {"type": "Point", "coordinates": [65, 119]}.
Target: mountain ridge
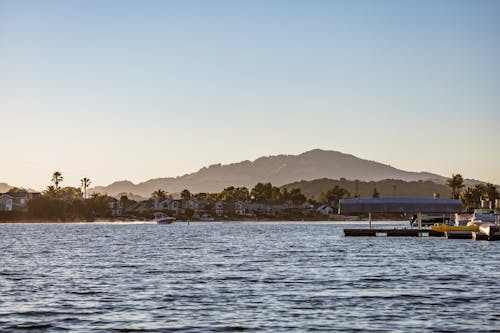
{"type": "Point", "coordinates": [278, 169]}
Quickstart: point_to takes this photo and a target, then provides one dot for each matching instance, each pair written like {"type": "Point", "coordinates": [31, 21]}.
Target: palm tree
{"type": "Point", "coordinates": [185, 195]}
{"type": "Point", "coordinates": [492, 192]}
{"type": "Point", "coordinates": [472, 196]}
{"type": "Point", "coordinates": [85, 184]}
{"type": "Point", "coordinates": [456, 183]}
{"type": "Point", "coordinates": [159, 194]}
{"type": "Point", "coordinates": [51, 191]}
{"type": "Point", "coordinates": [57, 178]}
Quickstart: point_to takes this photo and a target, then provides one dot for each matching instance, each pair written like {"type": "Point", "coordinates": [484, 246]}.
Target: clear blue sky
{"type": "Point", "coordinates": [136, 90]}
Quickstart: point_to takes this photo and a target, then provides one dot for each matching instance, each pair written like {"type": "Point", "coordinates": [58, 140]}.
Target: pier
{"type": "Point", "coordinates": [412, 206]}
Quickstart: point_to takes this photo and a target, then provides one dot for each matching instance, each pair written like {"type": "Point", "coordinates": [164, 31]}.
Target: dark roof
{"type": "Point", "coordinates": [399, 205]}
{"type": "Point", "coordinates": [20, 194]}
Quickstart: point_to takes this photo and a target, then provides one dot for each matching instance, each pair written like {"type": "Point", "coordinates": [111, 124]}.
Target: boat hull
{"type": "Point", "coordinates": [164, 222]}
{"type": "Point", "coordinates": [445, 227]}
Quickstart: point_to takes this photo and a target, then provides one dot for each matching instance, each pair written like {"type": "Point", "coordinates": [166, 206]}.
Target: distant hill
{"type": "Point", "coordinates": [279, 170]}
{"type": "Point", "coordinates": [387, 188]}
{"type": "Point", "coordinates": [4, 187]}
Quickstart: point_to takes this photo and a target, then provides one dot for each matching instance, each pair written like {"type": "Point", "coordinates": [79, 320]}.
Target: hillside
{"type": "Point", "coordinates": [4, 187]}
{"type": "Point", "coordinates": [279, 170]}
{"type": "Point", "coordinates": [386, 188]}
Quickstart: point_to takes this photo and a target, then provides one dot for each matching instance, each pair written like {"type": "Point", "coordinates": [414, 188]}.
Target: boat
{"type": "Point", "coordinates": [428, 220]}
{"type": "Point", "coordinates": [462, 219]}
{"type": "Point", "coordinates": [446, 227]}
{"type": "Point", "coordinates": [480, 215]}
{"type": "Point", "coordinates": [489, 229]}
{"type": "Point", "coordinates": [162, 218]}
{"type": "Point", "coordinates": [484, 215]}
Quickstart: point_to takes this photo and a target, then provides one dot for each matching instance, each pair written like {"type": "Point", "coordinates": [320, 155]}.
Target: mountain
{"type": "Point", "coordinates": [4, 187]}
{"type": "Point", "coordinates": [279, 170]}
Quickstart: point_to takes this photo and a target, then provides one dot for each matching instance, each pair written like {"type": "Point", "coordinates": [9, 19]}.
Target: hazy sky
{"type": "Point", "coordinates": [136, 90]}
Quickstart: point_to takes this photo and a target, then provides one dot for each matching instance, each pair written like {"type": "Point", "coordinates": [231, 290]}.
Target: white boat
{"type": "Point", "coordinates": [483, 215]}
{"type": "Point", "coordinates": [461, 220]}
{"type": "Point", "coordinates": [162, 218]}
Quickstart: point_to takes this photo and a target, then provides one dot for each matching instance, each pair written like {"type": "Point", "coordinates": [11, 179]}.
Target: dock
{"type": "Point", "coordinates": [392, 233]}
{"type": "Point", "coordinates": [479, 236]}
{"type": "Point", "coordinates": [410, 206]}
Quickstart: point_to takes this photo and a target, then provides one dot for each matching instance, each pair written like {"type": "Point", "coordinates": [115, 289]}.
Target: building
{"type": "Point", "coordinates": [325, 210]}
{"type": "Point", "coordinates": [16, 201]}
{"type": "Point", "coordinates": [219, 208]}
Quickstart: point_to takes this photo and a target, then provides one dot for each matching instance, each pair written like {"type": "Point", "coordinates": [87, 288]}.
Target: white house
{"type": "Point", "coordinates": [325, 210]}
{"type": "Point", "coordinates": [239, 208]}
{"type": "Point", "coordinates": [116, 207]}
{"type": "Point", "coordinates": [219, 208]}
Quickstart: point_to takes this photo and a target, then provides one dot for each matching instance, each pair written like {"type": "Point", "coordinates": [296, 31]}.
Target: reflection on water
{"type": "Point", "coordinates": [241, 277]}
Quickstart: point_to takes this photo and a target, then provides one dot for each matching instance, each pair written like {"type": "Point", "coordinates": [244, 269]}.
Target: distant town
{"type": "Point", "coordinates": [262, 202]}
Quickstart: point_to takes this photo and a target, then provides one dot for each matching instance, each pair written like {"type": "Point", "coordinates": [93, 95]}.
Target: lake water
{"type": "Point", "coordinates": [276, 277]}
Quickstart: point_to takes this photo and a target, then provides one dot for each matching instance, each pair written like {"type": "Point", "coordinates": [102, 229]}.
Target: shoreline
{"type": "Point", "coordinates": [201, 222]}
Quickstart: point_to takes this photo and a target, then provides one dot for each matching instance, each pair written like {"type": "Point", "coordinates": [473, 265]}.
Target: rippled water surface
{"type": "Point", "coordinates": [278, 277]}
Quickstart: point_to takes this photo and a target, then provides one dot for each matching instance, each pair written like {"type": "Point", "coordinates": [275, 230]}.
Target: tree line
{"type": "Point", "coordinates": [62, 203]}
{"type": "Point", "coordinates": [472, 195]}
{"type": "Point", "coordinates": [58, 202]}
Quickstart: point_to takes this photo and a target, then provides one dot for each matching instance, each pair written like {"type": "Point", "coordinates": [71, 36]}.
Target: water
{"type": "Point", "coordinates": [276, 277]}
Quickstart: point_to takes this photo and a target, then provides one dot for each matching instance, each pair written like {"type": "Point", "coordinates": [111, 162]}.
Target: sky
{"type": "Point", "coordinates": [114, 90]}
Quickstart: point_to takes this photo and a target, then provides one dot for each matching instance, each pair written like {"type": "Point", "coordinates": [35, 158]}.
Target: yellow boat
{"type": "Point", "coordinates": [445, 227]}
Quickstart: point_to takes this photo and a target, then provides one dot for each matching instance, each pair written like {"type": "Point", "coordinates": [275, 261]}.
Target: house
{"type": "Point", "coordinates": [6, 202]}
{"type": "Point", "coordinates": [219, 208]}
{"type": "Point", "coordinates": [325, 210]}
{"type": "Point", "coordinates": [258, 208]}
{"type": "Point", "coordinates": [141, 207]}
{"type": "Point", "coordinates": [197, 205]}
{"type": "Point", "coordinates": [174, 206]}
{"type": "Point", "coordinates": [116, 207]}
{"type": "Point", "coordinates": [239, 208]}
{"type": "Point", "coordinates": [16, 201]}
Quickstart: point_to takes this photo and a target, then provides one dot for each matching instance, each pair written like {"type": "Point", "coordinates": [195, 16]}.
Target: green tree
{"type": "Point", "coordinates": [276, 194]}
{"type": "Point", "coordinates": [185, 195]}
{"type": "Point", "coordinates": [234, 193]}
{"type": "Point", "coordinates": [47, 207]}
{"type": "Point", "coordinates": [227, 193]}
{"type": "Point", "coordinates": [69, 193]}
{"type": "Point", "coordinates": [202, 196]}
{"type": "Point", "coordinates": [333, 195]}
{"type": "Point", "coordinates": [85, 184]}
{"type": "Point", "coordinates": [296, 196]}
{"type": "Point", "coordinates": [262, 192]}
{"type": "Point", "coordinates": [242, 194]}
{"type": "Point", "coordinates": [98, 205]}
{"type": "Point", "coordinates": [159, 194]}
{"type": "Point", "coordinates": [492, 193]}
{"type": "Point", "coordinates": [126, 202]}
{"type": "Point", "coordinates": [456, 183]}
{"type": "Point", "coordinates": [472, 196]}
{"type": "Point", "coordinates": [57, 178]}
{"type": "Point", "coordinates": [51, 191]}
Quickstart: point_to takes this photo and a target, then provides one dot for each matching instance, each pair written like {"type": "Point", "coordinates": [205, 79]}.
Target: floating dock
{"type": "Point", "coordinates": [410, 206]}
{"type": "Point", "coordinates": [392, 233]}
{"type": "Point", "coordinates": [420, 233]}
